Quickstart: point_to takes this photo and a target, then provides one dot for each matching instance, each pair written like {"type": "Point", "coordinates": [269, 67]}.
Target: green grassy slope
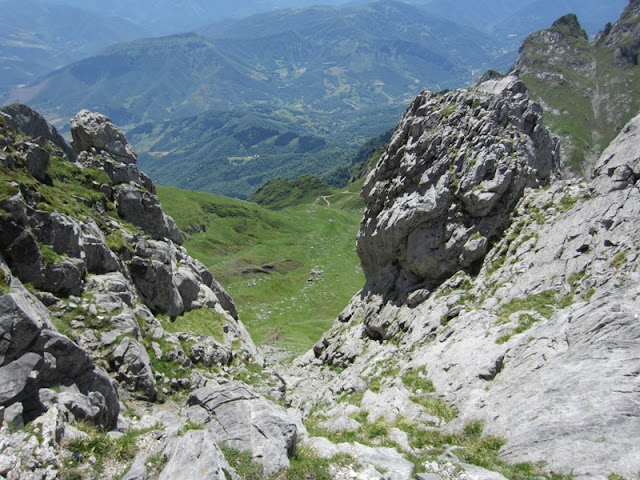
{"type": "Point", "coordinates": [290, 272]}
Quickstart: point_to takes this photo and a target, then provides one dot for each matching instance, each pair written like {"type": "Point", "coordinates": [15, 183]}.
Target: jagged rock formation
{"type": "Point", "coordinates": [623, 36]}
{"type": "Point", "coordinates": [444, 190]}
{"type": "Point", "coordinates": [109, 321]}
{"type": "Point", "coordinates": [588, 90]}
{"type": "Point", "coordinates": [537, 344]}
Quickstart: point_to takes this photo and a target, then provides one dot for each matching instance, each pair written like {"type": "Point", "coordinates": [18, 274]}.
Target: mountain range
{"type": "Point", "coordinates": [337, 75]}
{"type": "Point", "coordinates": [38, 37]}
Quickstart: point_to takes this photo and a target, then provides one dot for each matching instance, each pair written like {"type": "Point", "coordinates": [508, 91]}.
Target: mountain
{"type": "Point", "coordinates": [588, 89]}
{"type": "Point", "coordinates": [337, 72]}
{"type": "Point", "coordinates": [324, 60]}
{"type": "Point", "coordinates": [38, 38]}
{"type": "Point", "coordinates": [495, 334]}
{"type": "Point", "coordinates": [233, 153]}
{"type": "Point", "coordinates": [164, 17]}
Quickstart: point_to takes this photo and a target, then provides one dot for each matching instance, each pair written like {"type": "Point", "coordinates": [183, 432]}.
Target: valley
{"type": "Point", "coordinates": [290, 271]}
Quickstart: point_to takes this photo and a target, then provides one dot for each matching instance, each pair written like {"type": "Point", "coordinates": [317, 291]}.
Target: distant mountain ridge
{"type": "Point", "coordinates": [38, 37]}
{"type": "Point", "coordinates": [323, 59]}
{"type": "Point", "coordinates": [589, 90]}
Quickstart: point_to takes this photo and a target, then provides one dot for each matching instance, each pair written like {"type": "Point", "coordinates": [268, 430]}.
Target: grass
{"type": "Point", "coordinates": [49, 256]}
{"type": "Point", "coordinates": [525, 323]}
{"type": "Point", "coordinates": [4, 282]}
{"type": "Point", "coordinates": [417, 380]}
{"type": "Point", "coordinates": [545, 303]}
{"type": "Point", "coordinates": [117, 243]}
{"type": "Point", "coordinates": [202, 321]}
{"type": "Point", "coordinates": [264, 259]}
{"type": "Point", "coordinates": [101, 447]}
{"type": "Point", "coordinates": [436, 407]}
{"type": "Point", "coordinates": [305, 465]}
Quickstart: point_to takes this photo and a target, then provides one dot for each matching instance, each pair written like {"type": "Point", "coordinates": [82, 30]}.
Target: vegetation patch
{"type": "Point", "coordinates": [241, 236]}
{"type": "Point", "coordinates": [202, 321]}
{"type": "Point", "coordinates": [416, 379]}
{"type": "Point", "coordinates": [90, 454]}
{"type": "Point", "coordinates": [4, 281]}
{"type": "Point", "coordinates": [435, 406]}
{"type": "Point", "coordinates": [545, 303]}
{"type": "Point", "coordinates": [117, 243]}
{"type": "Point", "coordinates": [525, 322]}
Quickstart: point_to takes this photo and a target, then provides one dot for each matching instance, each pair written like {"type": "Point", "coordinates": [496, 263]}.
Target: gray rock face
{"type": "Point", "coordinates": [385, 459]}
{"type": "Point", "coordinates": [95, 131]}
{"type": "Point", "coordinates": [35, 357]}
{"type": "Point", "coordinates": [539, 342]}
{"type": "Point", "coordinates": [195, 455]}
{"type": "Point", "coordinates": [37, 161]}
{"type": "Point", "coordinates": [134, 368]}
{"type": "Point", "coordinates": [240, 418]}
{"type": "Point", "coordinates": [443, 192]}
{"type": "Point", "coordinates": [619, 165]}
{"type": "Point", "coordinates": [22, 117]}
{"type": "Point", "coordinates": [143, 210]}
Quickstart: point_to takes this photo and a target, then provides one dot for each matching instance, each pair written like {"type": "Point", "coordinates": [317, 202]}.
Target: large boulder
{"type": "Point", "coordinates": [24, 118]}
{"type": "Point", "coordinates": [195, 455]}
{"type": "Point", "coordinates": [93, 132]}
{"type": "Point", "coordinates": [238, 417]}
{"type": "Point", "coordinates": [143, 209]}
{"type": "Point", "coordinates": [443, 191]}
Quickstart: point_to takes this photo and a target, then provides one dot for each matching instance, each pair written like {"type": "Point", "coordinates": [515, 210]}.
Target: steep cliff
{"type": "Point", "coordinates": [499, 323]}
{"type": "Point", "coordinates": [101, 309]}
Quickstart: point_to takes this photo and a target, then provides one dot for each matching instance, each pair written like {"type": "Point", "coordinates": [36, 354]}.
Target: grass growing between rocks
{"type": "Point", "coordinates": [265, 259]}
{"type": "Point", "coordinates": [4, 282]}
{"type": "Point", "coordinates": [416, 379]}
{"type": "Point", "coordinates": [304, 465]}
{"type": "Point", "coordinates": [202, 321]}
{"type": "Point", "coordinates": [89, 455]}
{"type": "Point", "coordinates": [475, 449]}
{"type": "Point", "coordinates": [545, 303]}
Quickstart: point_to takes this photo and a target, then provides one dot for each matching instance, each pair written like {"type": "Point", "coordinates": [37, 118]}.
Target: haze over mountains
{"type": "Point", "coordinates": [225, 108]}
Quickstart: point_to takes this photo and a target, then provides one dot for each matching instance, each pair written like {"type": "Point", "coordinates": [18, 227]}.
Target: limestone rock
{"type": "Point", "coordinates": [37, 161]}
{"type": "Point", "coordinates": [538, 340]}
{"type": "Point", "coordinates": [240, 418]}
{"type": "Point", "coordinates": [35, 357]}
{"type": "Point", "coordinates": [143, 209]}
{"type": "Point", "coordinates": [134, 369]}
{"type": "Point", "coordinates": [95, 131]}
{"type": "Point", "coordinates": [195, 455]}
{"type": "Point", "coordinates": [385, 459]}
{"type": "Point", "coordinates": [24, 118]}
{"type": "Point", "coordinates": [443, 191]}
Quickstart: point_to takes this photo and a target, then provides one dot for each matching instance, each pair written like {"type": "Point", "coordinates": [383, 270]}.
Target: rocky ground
{"type": "Point", "coordinates": [496, 335]}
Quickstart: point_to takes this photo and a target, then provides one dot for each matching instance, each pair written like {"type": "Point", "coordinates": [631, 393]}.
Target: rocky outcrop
{"type": "Point", "coordinates": [536, 343]}
{"type": "Point", "coordinates": [624, 35]}
{"type": "Point", "coordinates": [34, 358]}
{"type": "Point", "coordinates": [196, 455]}
{"type": "Point", "coordinates": [23, 118]}
{"type": "Point", "coordinates": [443, 192]}
{"type": "Point", "coordinates": [240, 418]}
{"type": "Point", "coordinates": [94, 133]}
{"type": "Point", "coordinates": [104, 261]}
{"type": "Point", "coordinates": [584, 86]}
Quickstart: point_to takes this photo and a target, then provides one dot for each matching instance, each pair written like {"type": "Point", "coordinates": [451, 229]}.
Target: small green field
{"type": "Point", "coordinates": [290, 272]}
